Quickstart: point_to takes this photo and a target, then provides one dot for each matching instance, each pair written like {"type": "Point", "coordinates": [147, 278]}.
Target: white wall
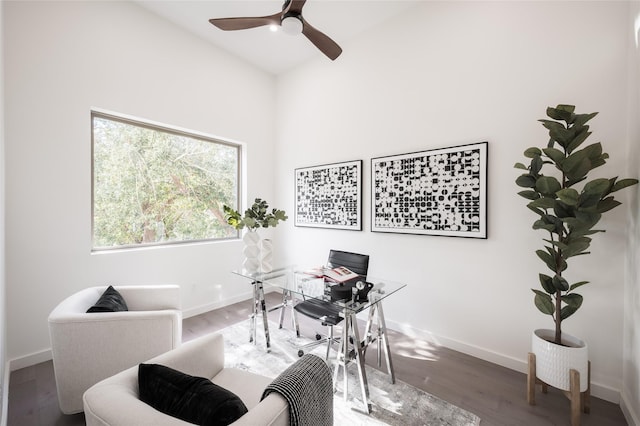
{"type": "Point", "coordinates": [3, 305]}
{"type": "Point", "coordinates": [631, 352]}
{"type": "Point", "coordinates": [450, 73]}
{"type": "Point", "coordinates": [64, 58]}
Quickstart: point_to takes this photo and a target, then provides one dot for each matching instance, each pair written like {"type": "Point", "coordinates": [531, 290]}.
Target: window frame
{"type": "Point", "coordinates": [174, 130]}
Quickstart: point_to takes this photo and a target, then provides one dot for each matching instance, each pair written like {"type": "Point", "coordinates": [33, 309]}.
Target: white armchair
{"type": "Point", "coordinates": [115, 401]}
{"type": "Point", "coordinates": [89, 347]}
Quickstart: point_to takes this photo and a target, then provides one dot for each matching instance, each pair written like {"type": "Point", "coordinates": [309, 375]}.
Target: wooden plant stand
{"type": "Point", "coordinates": [580, 401]}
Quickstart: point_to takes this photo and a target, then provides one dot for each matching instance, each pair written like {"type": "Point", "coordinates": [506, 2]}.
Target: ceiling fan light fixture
{"type": "Point", "coordinates": [291, 25]}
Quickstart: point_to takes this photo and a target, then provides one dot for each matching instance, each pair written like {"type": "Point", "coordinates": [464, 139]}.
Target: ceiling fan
{"type": "Point", "coordinates": [291, 21]}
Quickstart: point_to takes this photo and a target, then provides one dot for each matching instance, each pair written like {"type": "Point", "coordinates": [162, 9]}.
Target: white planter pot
{"type": "Point", "coordinates": [251, 251]}
{"type": "Point", "coordinates": [266, 256]}
{"type": "Point", "coordinates": [553, 362]}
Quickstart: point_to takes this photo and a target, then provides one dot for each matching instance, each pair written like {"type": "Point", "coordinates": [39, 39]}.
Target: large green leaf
{"type": "Point", "coordinates": [555, 154]}
{"type": "Point", "coordinates": [520, 166]}
{"type": "Point", "coordinates": [549, 260]}
{"type": "Point", "coordinates": [553, 125]}
{"type": "Point", "coordinates": [561, 112]}
{"type": "Point", "coordinates": [549, 223]}
{"type": "Point", "coordinates": [607, 204]}
{"type": "Point", "coordinates": [576, 166]}
{"type": "Point", "coordinates": [593, 151]}
{"type": "Point", "coordinates": [558, 223]}
{"type": "Point", "coordinates": [568, 196]}
{"type": "Point", "coordinates": [536, 165]}
{"type": "Point", "coordinates": [526, 181]}
{"type": "Point", "coordinates": [588, 202]}
{"type": "Point", "coordinates": [541, 224]}
{"type": "Point", "coordinates": [562, 135]}
{"type": "Point", "coordinates": [573, 301]}
{"type": "Point", "coordinates": [623, 183]}
{"type": "Point", "coordinates": [532, 152]}
{"type": "Point", "coordinates": [567, 311]}
{"type": "Point", "coordinates": [588, 218]}
{"type": "Point", "coordinates": [558, 244]}
{"type": "Point", "coordinates": [598, 161]}
{"type": "Point", "coordinates": [578, 284]}
{"type": "Point", "coordinates": [596, 187]}
{"type": "Point", "coordinates": [536, 210]}
{"type": "Point", "coordinates": [571, 182]}
{"type": "Point", "coordinates": [543, 203]}
{"type": "Point", "coordinates": [582, 119]}
{"type": "Point", "coordinates": [562, 210]}
{"type": "Point", "coordinates": [548, 185]}
{"type": "Point", "coordinates": [544, 303]}
{"type": "Point", "coordinates": [578, 139]}
{"type": "Point", "coordinates": [560, 283]}
{"type": "Point", "coordinates": [529, 194]}
{"type": "Point", "coordinates": [547, 284]}
{"type": "Point", "coordinates": [576, 247]}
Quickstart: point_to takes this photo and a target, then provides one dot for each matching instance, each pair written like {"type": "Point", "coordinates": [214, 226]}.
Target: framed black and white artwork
{"type": "Point", "coordinates": [434, 192]}
{"type": "Point", "coordinates": [329, 196]}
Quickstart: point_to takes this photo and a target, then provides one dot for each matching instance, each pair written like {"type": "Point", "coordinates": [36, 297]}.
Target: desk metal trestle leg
{"type": "Point", "coordinates": [346, 356]}
{"type": "Point", "coordinates": [380, 337]}
{"type": "Point", "coordinates": [259, 305]}
{"type": "Point", "coordinates": [287, 300]}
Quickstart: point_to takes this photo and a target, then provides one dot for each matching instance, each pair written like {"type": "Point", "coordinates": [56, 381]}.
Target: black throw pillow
{"type": "Point", "coordinates": [192, 399]}
{"type": "Point", "coordinates": [110, 301]}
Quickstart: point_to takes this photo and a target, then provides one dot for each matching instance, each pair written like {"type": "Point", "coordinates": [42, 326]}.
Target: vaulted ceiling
{"type": "Point", "coordinates": [277, 52]}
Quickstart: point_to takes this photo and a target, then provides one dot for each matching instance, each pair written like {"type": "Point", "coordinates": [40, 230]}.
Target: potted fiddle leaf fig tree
{"type": "Point", "coordinates": [568, 205]}
{"type": "Point", "coordinates": [258, 254]}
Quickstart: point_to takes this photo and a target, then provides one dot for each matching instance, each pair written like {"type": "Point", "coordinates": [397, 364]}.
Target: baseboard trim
{"type": "Point", "coordinates": [192, 312]}
{"type": "Point", "coordinates": [30, 360]}
{"type": "Point", "coordinates": [630, 415]}
{"type": "Point", "coordinates": [598, 390]}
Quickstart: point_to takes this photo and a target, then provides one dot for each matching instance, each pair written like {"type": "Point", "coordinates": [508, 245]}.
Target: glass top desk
{"type": "Point", "coordinates": [308, 284]}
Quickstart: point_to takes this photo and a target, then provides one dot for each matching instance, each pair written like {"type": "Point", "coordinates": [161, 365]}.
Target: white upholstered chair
{"type": "Point", "coordinates": [89, 347]}
{"type": "Point", "coordinates": [115, 401]}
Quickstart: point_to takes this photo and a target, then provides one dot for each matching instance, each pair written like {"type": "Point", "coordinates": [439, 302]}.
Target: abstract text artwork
{"type": "Point", "coordinates": [329, 196]}
{"type": "Point", "coordinates": [435, 192]}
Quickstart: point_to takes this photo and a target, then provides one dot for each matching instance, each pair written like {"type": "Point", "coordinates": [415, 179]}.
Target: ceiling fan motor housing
{"type": "Point", "coordinates": [291, 23]}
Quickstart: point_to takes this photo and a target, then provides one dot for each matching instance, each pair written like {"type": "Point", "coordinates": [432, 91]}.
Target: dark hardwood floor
{"type": "Point", "coordinates": [496, 394]}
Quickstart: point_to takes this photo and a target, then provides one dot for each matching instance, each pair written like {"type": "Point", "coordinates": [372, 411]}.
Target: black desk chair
{"type": "Point", "coordinates": [324, 311]}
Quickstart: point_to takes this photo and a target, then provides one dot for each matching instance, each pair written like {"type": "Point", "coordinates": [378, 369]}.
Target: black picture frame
{"type": "Point", "coordinates": [433, 192]}
{"type": "Point", "coordinates": [329, 196]}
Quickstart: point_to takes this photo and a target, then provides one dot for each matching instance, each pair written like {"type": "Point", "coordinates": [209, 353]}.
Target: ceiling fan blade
{"type": "Point", "coordinates": [232, 24]}
{"type": "Point", "coordinates": [321, 41]}
{"type": "Point", "coordinates": [295, 6]}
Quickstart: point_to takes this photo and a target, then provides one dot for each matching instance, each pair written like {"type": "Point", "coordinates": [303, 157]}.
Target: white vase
{"type": "Point", "coordinates": [251, 251]}
{"type": "Point", "coordinates": [266, 255]}
{"type": "Point", "coordinates": [553, 362]}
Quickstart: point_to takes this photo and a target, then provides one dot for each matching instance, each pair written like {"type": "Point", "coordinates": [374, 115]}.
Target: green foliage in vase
{"type": "Point", "coordinates": [256, 216]}
{"type": "Point", "coordinates": [567, 211]}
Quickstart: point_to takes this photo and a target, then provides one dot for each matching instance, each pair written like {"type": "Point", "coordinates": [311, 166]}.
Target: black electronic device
{"type": "Point", "coordinates": [345, 291]}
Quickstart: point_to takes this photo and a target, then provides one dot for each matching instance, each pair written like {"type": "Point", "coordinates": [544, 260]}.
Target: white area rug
{"type": "Point", "coordinates": [392, 404]}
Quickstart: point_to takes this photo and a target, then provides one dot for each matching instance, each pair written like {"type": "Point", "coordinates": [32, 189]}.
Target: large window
{"type": "Point", "coordinates": [158, 185]}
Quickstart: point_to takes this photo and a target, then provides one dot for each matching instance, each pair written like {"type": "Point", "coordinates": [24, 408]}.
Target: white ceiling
{"type": "Point", "coordinates": [276, 52]}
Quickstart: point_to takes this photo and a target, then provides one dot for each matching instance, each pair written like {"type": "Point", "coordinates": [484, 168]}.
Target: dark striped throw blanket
{"type": "Point", "coordinates": [307, 386]}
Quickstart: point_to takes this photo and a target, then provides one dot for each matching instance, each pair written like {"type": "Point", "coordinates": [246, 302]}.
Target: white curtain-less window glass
{"type": "Point", "coordinates": [155, 185]}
